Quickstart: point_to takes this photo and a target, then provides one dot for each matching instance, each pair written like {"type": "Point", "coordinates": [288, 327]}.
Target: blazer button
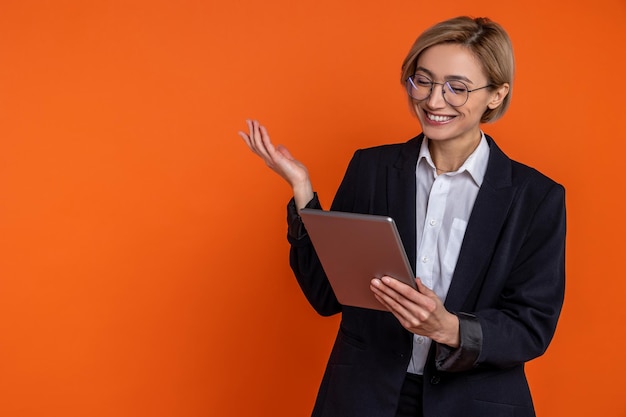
{"type": "Point", "coordinates": [435, 379]}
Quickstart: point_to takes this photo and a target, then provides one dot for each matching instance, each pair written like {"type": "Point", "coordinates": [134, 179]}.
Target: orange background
{"type": "Point", "coordinates": [143, 259]}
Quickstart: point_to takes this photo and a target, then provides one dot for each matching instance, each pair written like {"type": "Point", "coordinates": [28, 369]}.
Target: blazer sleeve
{"type": "Point", "coordinates": [303, 259]}
{"type": "Point", "coordinates": [520, 324]}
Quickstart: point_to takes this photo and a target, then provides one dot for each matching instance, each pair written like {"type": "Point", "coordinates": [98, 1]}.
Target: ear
{"type": "Point", "coordinates": [498, 96]}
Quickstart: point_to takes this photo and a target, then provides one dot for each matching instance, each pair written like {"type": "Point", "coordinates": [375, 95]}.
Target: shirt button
{"type": "Point", "coordinates": [425, 259]}
{"type": "Point", "coordinates": [420, 340]}
{"type": "Point", "coordinates": [433, 222]}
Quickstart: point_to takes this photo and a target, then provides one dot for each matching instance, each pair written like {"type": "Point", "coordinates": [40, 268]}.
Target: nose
{"type": "Point", "coordinates": [436, 100]}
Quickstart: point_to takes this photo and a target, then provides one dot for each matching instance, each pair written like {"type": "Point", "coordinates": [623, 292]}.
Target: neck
{"type": "Point", "coordinates": [449, 155]}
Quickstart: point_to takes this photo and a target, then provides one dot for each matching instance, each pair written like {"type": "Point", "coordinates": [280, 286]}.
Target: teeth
{"type": "Point", "coordinates": [438, 118]}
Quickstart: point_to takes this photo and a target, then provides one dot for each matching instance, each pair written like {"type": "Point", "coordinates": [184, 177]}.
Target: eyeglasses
{"type": "Point", "coordinates": [455, 93]}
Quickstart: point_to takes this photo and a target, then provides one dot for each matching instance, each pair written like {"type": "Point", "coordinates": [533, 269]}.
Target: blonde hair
{"type": "Point", "coordinates": [484, 38]}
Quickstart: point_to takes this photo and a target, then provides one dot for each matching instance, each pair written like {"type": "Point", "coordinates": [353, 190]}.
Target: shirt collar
{"type": "Point", "coordinates": [475, 164]}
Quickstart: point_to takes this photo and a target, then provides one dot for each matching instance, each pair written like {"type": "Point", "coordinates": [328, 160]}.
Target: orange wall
{"type": "Point", "coordinates": [143, 261]}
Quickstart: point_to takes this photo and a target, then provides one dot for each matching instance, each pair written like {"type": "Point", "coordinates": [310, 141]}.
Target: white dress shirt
{"type": "Point", "coordinates": [444, 205]}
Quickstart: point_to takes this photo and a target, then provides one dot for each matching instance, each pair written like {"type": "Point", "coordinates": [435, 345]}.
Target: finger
{"type": "Point", "coordinates": [258, 141]}
{"type": "Point", "coordinates": [423, 289]}
{"type": "Point", "coordinates": [424, 299]}
{"type": "Point", "coordinates": [250, 128]}
{"type": "Point", "coordinates": [245, 138]}
{"type": "Point", "coordinates": [411, 308]}
{"type": "Point", "coordinates": [406, 290]}
{"type": "Point", "coordinates": [254, 131]}
{"type": "Point", "coordinates": [400, 312]}
{"type": "Point", "coordinates": [392, 288]}
{"type": "Point", "coordinates": [392, 299]}
{"type": "Point", "coordinates": [431, 297]}
{"type": "Point", "coordinates": [249, 137]}
{"type": "Point", "coordinates": [266, 142]}
{"type": "Point", "coordinates": [276, 156]}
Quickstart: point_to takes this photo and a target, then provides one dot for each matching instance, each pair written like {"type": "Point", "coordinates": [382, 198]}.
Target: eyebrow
{"type": "Point", "coordinates": [447, 77]}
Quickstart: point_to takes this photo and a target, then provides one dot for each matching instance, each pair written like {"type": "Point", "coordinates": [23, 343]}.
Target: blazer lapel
{"type": "Point", "coordinates": [401, 196]}
{"type": "Point", "coordinates": [488, 215]}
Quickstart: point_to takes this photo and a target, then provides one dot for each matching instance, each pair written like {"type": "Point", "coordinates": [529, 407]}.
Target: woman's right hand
{"type": "Point", "coordinates": [280, 161]}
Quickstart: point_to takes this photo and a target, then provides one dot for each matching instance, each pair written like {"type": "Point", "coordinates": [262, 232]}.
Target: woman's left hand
{"type": "Point", "coordinates": [420, 312]}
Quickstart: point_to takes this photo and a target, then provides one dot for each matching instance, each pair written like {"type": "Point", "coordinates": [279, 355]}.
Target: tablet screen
{"type": "Point", "coordinates": [355, 248]}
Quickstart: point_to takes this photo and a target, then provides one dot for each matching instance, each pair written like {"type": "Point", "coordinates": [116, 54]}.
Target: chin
{"type": "Point", "coordinates": [437, 132]}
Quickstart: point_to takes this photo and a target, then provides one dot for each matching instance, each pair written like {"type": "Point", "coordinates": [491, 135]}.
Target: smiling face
{"type": "Point", "coordinates": [440, 121]}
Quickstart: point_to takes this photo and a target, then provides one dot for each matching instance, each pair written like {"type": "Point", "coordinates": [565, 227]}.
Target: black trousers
{"type": "Point", "coordinates": [410, 404]}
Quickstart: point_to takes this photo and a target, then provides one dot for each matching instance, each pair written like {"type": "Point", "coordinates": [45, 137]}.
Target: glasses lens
{"type": "Point", "coordinates": [455, 93]}
{"type": "Point", "coordinates": [419, 87]}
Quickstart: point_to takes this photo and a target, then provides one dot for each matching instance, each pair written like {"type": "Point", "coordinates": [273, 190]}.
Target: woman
{"type": "Point", "coordinates": [485, 236]}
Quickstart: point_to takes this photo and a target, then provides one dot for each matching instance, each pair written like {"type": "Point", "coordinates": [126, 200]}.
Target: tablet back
{"type": "Point", "coordinates": [353, 249]}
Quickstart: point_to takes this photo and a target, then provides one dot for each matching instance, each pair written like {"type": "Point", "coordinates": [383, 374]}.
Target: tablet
{"type": "Point", "coordinates": [354, 249]}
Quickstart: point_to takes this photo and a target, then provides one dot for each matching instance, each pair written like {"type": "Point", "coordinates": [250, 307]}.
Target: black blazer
{"type": "Point", "coordinates": [508, 289]}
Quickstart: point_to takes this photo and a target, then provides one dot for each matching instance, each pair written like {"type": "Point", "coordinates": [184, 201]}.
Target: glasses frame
{"type": "Point", "coordinates": [411, 85]}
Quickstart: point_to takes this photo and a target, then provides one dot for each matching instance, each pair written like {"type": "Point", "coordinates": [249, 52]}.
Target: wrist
{"type": "Point", "coordinates": [302, 194]}
{"type": "Point", "coordinates": [451, 334]}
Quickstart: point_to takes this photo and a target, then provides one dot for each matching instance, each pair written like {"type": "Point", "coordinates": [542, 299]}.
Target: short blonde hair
{"type": "Point", "coordinates": [484, 38]}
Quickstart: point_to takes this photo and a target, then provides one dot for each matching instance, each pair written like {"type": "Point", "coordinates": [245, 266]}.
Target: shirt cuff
{"type": "Point", "coordinates": [296, 230]}
{"type": "Point", "coordinates": [466, 355]}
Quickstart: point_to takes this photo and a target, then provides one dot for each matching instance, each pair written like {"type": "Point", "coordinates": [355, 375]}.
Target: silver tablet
{"type": "Point", "coordinates": [353, 249]}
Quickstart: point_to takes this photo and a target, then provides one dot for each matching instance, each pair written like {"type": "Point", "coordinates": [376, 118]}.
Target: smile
{"type": "Point", "coordinates": [439, 119]}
